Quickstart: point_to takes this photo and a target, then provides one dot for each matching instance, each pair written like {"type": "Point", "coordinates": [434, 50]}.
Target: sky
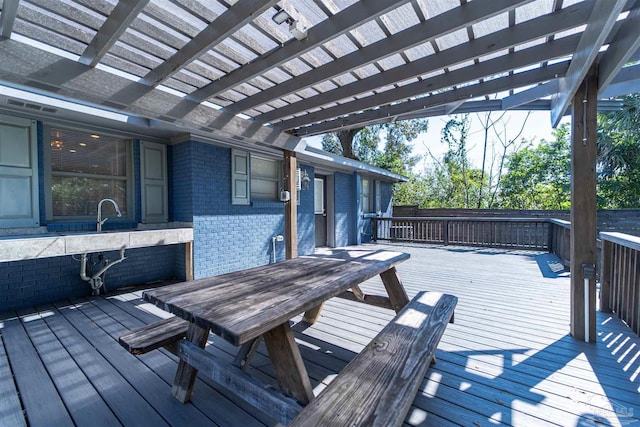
{"type": "Point", "coordinates": [537, 126]}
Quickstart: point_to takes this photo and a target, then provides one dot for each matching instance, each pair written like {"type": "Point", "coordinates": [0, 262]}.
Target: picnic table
{"type": "Point", "coordinates": [246, 306]}
{"type": "Point", "coordinates": [259, 302]}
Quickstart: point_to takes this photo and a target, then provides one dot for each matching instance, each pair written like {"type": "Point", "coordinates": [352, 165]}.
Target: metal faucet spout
{"type": "Point", "coordinates": [102, 221]}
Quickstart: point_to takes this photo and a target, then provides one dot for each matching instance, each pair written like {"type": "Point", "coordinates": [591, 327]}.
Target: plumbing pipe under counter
{"type": "Point", "coordinates": [15, 248]}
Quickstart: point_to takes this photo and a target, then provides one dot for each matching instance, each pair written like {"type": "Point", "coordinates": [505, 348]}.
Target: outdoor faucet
{"type": "Point", "coordinates": [102, 221]}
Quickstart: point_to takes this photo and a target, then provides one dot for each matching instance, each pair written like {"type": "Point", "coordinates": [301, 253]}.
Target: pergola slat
{"type": "Point", "coordinates": [340, 23]}
{"type": "Point", "coordinates": [626, 42]}
{"type": "Point", "coordinates": [8, 17]}
{"type": "Point", "coordinates": [117, 22]}
{"type": "Point", "coordinates": [603, 17]}
{"type": "Point", "coordinates": [226, 24]}
{"type": "Point", "coordinates": [392, 112]}
{"type": "Point", "coordinates": [492, 67]}
{"type": "Point", "coordinates": [433, 28]}
{"type": "Point", "coordinates": [503, 39]}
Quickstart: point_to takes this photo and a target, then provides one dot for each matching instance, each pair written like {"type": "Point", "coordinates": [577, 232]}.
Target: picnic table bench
{"type": "Point", "coordinates": [247, 305]}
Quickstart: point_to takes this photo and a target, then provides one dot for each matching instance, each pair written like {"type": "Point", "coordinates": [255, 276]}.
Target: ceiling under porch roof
{"type": "Point", "coordinates": [225, 67]}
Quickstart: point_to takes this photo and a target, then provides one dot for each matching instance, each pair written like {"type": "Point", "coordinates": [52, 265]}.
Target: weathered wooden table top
{"type": "Point", "coordinates": [242, 305]}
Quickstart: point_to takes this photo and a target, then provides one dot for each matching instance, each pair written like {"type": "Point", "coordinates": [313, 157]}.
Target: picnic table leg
{"type": "Point", "coordinates": [393, 285]}
{"type": "Point", "coordinates": [311, 316]}
{"type": "Point", "coordinates": [287, 363]}
{"type": "Point", "coordinates": [246, 353]}
{"type": "Point", "coordinates": [186, 374]}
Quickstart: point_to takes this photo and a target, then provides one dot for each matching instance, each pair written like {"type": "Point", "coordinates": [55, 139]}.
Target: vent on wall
{"type": "Point", "coordinates": [31, 106]}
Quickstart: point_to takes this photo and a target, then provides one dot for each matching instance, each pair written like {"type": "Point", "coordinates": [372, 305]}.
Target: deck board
{"type": "Point", "coordinates": [10, 408]}
{"type": "Point", "coordinates": [508, 358]}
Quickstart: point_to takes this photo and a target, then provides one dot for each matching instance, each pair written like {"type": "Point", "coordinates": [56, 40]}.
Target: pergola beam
{"type": "Point", "coordinates": [530, 30]}
{"type": "Point", "coordinates": [117, 22]}
{"type": "Point", "coordinates": [603, 17]}
{"type": "Point", "coordinates": [626, 81]}
{"type": "Point", "coordinates": [58, 76]}
{"type": "Point", "coordinates": [338, 24]}
{"type": "Point", "coordinates": [8, 17]}
{"type": "Point", "coordinates": [625, 44]}
{"type": "Point", "coordinates": [529, 95]}
{"type": "Point", "coordinates": [470, 73]}
{"type": "Point", "coordinates": [430, 29]}
{"type": "Point", "coordinates": [481, 89]}
{"type": "Point", "coordinates": [234, 18]}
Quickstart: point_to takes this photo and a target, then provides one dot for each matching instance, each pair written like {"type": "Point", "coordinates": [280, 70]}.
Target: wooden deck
{"type": "Point", "coordinates": [508, 359]}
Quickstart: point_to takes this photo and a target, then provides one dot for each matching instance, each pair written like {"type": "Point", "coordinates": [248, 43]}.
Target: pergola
{"type": "Point", "coordinates": [266, 72]}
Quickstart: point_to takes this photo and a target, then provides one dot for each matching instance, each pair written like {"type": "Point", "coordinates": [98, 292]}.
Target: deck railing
{"type": "Point", "coordinates": [618, 261]}
{"type": "Point", "coordinates": [513, 233]}
{"type": "Point", "coordinates": [560, 240]}
{"type": "Point", "coordinates": [620, 277]}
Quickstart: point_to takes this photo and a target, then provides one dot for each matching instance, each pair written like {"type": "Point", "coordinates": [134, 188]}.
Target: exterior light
{"type": "Point", "coordinates": [281, 17]}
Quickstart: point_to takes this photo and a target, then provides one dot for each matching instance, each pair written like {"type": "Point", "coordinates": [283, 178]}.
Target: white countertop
{"type": "Point", "coordinates": [15, 248]}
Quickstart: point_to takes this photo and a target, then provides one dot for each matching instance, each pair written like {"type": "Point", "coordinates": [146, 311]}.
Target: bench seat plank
{"type": "Point", "coordinates": [378, 386]}
{"type": "Point", "coordinates": [150, 337]}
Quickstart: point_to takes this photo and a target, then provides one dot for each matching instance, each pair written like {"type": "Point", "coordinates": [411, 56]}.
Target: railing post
{"type": "Point", "coordinates": [445, 232]}
{"type": "Point", "coordinates": [374, 229]}
{"type": "Point", "coordinates": [550, 235]}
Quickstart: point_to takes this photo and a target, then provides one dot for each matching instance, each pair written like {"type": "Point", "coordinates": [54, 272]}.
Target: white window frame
{"type": "Point", "coordinates": [49, 174]}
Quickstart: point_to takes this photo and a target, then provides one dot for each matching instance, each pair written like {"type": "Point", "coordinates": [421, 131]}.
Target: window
{"type": "Point", "coordinates": [254, 178]}
{"type": "Point", "coordinates": [18, 173]}
{"type": "Point", "coordinates": [366, 196]}
{"type": "Point", "coordinates": [86, 168]}
{"type": "Point", "coordinates": [265, 179]}
{"type": "Point", "coordinates": [370, 198]}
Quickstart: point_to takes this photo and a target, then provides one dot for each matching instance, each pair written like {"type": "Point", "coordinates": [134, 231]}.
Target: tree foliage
{"type": "Point", "coordinates": [385, 145]}
{"type": "Point", "coordinates": [539, 177]}
{"type": "Point", "coordinates": [619, 156]}
{"type": "Point", "coordinates": [515, 174]}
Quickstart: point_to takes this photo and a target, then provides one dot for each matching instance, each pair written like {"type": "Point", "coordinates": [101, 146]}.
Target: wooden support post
{"type": "Point", "coordinates": [287, 363]}
{"type": "Point", "coordinates": [583, 206]}
{"type": "Point", "coordinates": [188, 260]}
{"type": "Point", "coordinates": [291, 206]}
{"type": "Point", "coordinates": [186, 374]}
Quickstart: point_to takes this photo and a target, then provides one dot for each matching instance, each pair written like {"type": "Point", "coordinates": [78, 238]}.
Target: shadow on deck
{"type": "Point", "coordinates": [508, 359]}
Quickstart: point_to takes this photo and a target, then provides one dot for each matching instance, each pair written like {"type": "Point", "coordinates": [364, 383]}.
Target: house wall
{"type": "Point", "coordinates": [226, 237]}
{"type": "Point", "coordinates": [229, 237]}
{"type": "Point", "coordinates": [347, 200]}
{"type": "Point", "coordinates": [386, 208]}
{"type": "Point", "coordinates": [45, 280]}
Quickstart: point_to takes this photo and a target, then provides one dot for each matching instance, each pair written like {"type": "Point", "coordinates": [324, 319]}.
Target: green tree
{"type": "Point", "coordinates": [539, 177]}
{"type": "Point", "coordinates": [619, 156]}
{"type": "Point", "coordinates": [385, 145]}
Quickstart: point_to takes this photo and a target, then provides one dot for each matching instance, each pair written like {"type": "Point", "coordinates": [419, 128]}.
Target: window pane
{"type": "Point", "coordinates": [264, 190]}
{"type": "Point", "coordinates": [78, 196]}
{"type": "Point", "coordinates": [263, 168]}
{"type": "Point", "coordinates": [265, 179]}
{"type": "Point", "coordinates": [86, 153]}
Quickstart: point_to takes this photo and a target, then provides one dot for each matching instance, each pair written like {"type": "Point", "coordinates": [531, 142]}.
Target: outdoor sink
{"type": "Point", "coordinates": [44, 245]}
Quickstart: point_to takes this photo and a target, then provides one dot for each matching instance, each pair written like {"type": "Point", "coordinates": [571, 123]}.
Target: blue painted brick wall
{"type": "Point", "coordinates": [40, 281]}
{"type": "Point", "coordinates": [345, 208]}
{"type": "Point", "coordinates": [229, 237]}
{"type": "Point", "coordinates": [306, 217]}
